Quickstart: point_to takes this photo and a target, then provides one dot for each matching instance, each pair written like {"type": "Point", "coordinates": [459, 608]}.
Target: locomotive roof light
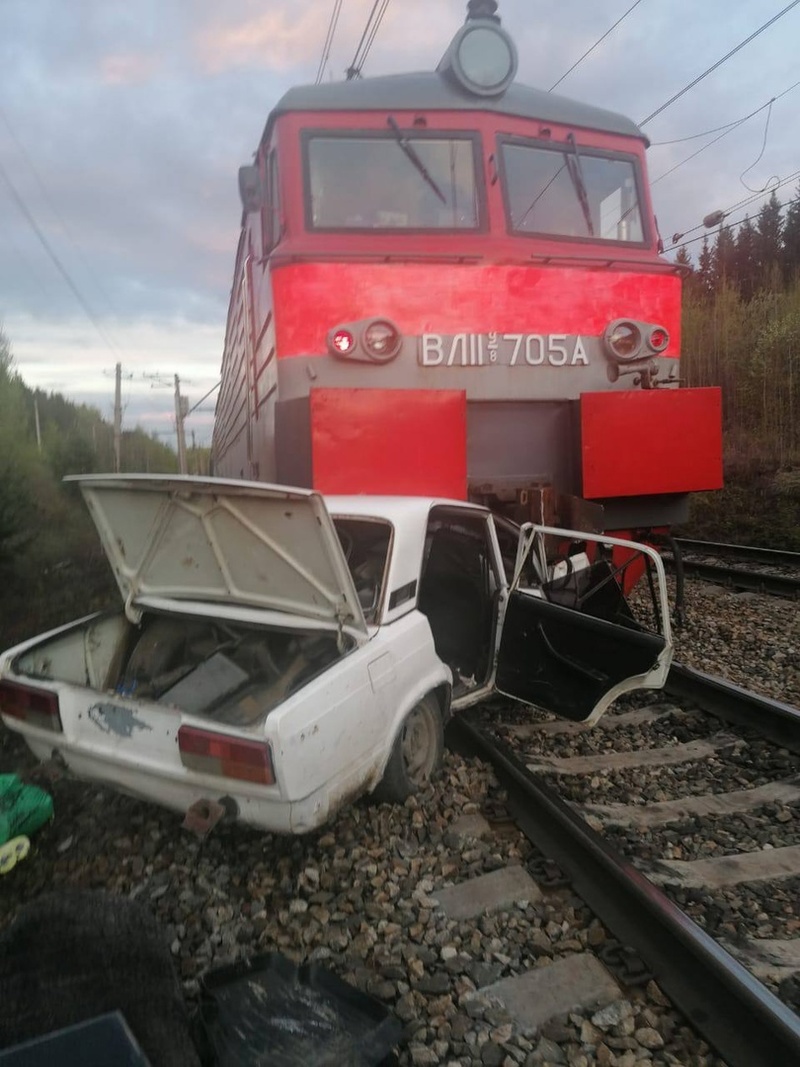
{"type": "Point", "coordinates": [482, 58]}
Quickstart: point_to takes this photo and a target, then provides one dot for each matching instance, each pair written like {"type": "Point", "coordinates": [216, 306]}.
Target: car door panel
{"type": "Point", "coordinates": [563, 661]}
{"type": "Point", "coordinates": [571, 647]}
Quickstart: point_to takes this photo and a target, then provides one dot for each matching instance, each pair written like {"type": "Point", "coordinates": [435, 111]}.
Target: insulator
{"type": "Point", "coordinates": [482, 9]}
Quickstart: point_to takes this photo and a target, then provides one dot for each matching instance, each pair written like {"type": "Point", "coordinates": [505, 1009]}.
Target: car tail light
{"type": "Point", "coordinates": [37, 707]}
{"type": "Point", "coordinates": [658, 339]}
{"type": "Point", "coordinates": [342, 342]}
{"type": "Point", "coordinates": [382, 340]}
{"type": "Point", "coordinates": [230, 757]}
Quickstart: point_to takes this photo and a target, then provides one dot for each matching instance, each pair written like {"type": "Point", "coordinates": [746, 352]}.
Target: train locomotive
{"type": "Point", "coordinates": [450, 284]}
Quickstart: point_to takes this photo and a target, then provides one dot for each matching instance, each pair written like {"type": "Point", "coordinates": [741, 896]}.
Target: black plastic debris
{"type": "Point", "coordinates": [268, 1010]}
{"type": "Point", "coordinates": [76, 954]}
{"type": "Point", "coordinates": [96, 1043]}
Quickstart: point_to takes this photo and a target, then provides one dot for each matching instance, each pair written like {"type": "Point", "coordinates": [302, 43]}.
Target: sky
{"type": "Point", "coordinates": [123, 124]}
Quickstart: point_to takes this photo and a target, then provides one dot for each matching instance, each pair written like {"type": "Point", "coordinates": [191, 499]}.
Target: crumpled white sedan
{"type": "Point", "coordinates": [279, 654]}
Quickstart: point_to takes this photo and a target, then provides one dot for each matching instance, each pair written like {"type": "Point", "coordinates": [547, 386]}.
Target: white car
{"type": "Point", "coordinates": [279, 654]}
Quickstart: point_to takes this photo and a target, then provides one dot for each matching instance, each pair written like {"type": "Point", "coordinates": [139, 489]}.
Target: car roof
{"type": "Point", "coordinates": [408, 516]}
{"type": "Point", "coordinates": [395, 509]}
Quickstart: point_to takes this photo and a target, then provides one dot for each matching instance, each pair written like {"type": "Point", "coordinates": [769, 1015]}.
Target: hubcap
{"type": "Point", "coordinates": [419, 745]}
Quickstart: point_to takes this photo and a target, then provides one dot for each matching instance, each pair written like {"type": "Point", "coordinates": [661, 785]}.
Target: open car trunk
{"type": "Point", "coordinates": [226, 670]}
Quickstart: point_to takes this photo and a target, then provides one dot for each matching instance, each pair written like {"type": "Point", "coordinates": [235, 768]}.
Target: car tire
{"type": "Point", "coordinates": [416, 753]}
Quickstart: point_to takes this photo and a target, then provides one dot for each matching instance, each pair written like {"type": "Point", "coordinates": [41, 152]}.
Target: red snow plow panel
{"type": "Point", "coordinates": [391, 441]}
{"type": "Point", "coordinates": [643, 442]}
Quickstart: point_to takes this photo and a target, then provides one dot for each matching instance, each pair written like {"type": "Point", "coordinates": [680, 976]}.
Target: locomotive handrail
{"type": "Point", "coordinates": [658, 266]}
{"type": "Point", "coordinates": [601, 262]}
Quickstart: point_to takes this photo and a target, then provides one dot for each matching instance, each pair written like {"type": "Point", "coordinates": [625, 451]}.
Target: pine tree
{"type": "Point", "coordinates": [791, 239]}
{"type": "Point", "coordinates": [745, 271]}
{"type": "Point", "coordinates": [724, 258]}
{"type": "Point", "coordinates": [705, 270]}
{"type": "Point", "coordinates": [768, 248]}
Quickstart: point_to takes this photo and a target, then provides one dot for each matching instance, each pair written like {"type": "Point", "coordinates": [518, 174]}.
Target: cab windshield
{"type": "Point", "coordinates": [573, 192]}
{"type": "Point", "coordinates": [393, 181]}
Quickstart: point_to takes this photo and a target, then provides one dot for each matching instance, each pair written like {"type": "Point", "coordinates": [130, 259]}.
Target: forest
{"type": "Point", "coordinates": [45, 533]}
{"type": "Point", "coordinates": [741, 331]}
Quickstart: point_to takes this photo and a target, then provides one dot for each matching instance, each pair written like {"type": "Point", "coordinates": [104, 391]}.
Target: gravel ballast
{"type": "Point", "coordinates": [358, 895]}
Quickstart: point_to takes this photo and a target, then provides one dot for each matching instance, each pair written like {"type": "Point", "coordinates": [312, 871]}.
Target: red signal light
{"type": "Point", "coordinates": [37, 707]}
{"type": "Point", "coordinates": [229, 757]}
{"type": "Point", "coordinates": [659, 339]}
{"type": "Point", "coordinates": [342, 342]}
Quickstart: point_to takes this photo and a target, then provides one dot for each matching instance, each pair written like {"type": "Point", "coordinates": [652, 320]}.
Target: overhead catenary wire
{"type": "Point", "coordinates": [374, 31]}
{"type": "Point", "coordinates": [326, 48]}
{"type": "Point", "coordinates": [678, 238]}
{"type": "Point", "coordinates": [49, 201]}
{"type": "Point", "coordinates": [727, 125]}
{"type": "Point", "coordinates": [371, 28]}
{"type": "Point", "coordinates": [589, 51]}
{"type": "Point", "coordinates": [27, 214]}
{"type": "Point", "coordinates": [725, 131]}
{"type": "Point", "coordinates": [719, 62]}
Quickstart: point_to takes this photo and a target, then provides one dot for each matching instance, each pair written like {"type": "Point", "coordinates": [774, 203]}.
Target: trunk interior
{"type": "Point", "coordinates": [231, 672]}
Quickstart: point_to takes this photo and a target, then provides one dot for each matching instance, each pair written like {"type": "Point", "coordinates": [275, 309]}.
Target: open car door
{"type": "Point", "coordinates": [570, 643]}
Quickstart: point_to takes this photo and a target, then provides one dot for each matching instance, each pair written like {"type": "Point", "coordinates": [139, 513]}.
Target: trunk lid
{"type": "Point", "coordinates": [187, 540]}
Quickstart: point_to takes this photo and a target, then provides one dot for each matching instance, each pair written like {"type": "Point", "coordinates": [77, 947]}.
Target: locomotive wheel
{"type": "Point", "coordinates": [416, 753]}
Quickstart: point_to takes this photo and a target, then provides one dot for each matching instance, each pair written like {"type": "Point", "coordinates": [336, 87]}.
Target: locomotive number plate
{"type": "Point", "coordinates": [502, 349]}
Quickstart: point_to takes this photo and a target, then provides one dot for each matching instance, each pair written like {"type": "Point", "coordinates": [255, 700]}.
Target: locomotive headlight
{"type": "Point", "coordinates": [381, 339]}
{"type": "Point", "coordinates": [623, 340]}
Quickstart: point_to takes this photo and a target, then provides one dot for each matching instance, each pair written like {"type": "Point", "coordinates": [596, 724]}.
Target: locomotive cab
{"type": "Point", "coordinates": [450, 284]}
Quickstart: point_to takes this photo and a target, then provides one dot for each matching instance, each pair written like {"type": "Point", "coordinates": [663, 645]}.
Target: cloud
{"type": "Point", "coordinates": [280, 37]}
{"type": "Point", "coordinates": [130, 69]}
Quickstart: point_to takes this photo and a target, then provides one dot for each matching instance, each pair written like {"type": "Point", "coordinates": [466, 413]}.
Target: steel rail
{"type": "Point", "coordinates": [735, 1013]}
{"type": "Point", "coordinates": [753, 581]}
{"type": "Point", "coordinates": [771, 556]}
{"type": "Point", "coordinates": [776, 721]}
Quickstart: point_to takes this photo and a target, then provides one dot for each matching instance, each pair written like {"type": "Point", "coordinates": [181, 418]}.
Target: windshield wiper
{"type": "Point", "coordinates": [576, 173]}
{"type": "Point", "coordinates": [411, 152]}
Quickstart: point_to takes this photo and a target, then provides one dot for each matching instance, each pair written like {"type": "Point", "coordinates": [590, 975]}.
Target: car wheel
{"type": "Point", "coordinates": [416, 753]}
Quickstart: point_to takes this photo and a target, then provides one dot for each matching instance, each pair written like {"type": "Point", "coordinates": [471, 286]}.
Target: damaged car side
{"type": "Point", "coordinates": [277, 654]}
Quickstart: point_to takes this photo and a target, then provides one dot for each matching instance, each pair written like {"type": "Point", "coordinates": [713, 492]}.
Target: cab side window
{"type": "Point", "coordinates": [271, 211]}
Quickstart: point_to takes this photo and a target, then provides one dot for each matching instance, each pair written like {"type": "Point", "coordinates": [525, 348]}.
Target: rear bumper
{"type": "Point", "coordinates": [260, 807]}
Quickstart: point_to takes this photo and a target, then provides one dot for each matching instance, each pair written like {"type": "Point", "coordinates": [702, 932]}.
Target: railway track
{"type": "Point", "coordinates": [697, 875]}
{"type": "Point", "coordinates": [772, 571]}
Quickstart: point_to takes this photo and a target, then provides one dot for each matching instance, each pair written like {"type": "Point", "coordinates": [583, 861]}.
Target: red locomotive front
{"type": "Point", "coordinates": [450, 284]}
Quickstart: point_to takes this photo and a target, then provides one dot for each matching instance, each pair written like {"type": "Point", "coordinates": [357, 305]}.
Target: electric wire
{"type": "Point", "coordinates": [373, 23]}
{"type": "Point", "coordinates": [23, 207]}
{"type": "Point", "coordinates": [589, 51]}
{"type": "Point", "coordinates": [655, 181]}
{"type": "Point", "coordinates": [729, 128]}
{"type": "Point", "coordinates": [760, 154]}
{"type": "Point", "coordinates": [49, 201]}
{"type": "Point", "coordinates": [726, 126]}
{"type": "Point", "coordinates": [719, 62]}
{"type": "Point", "coordinates": [373, 33]}
{"type": "Point", "coordinates": [326, 48]}
{"type": "Point", "coordinates": [678, 238]}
